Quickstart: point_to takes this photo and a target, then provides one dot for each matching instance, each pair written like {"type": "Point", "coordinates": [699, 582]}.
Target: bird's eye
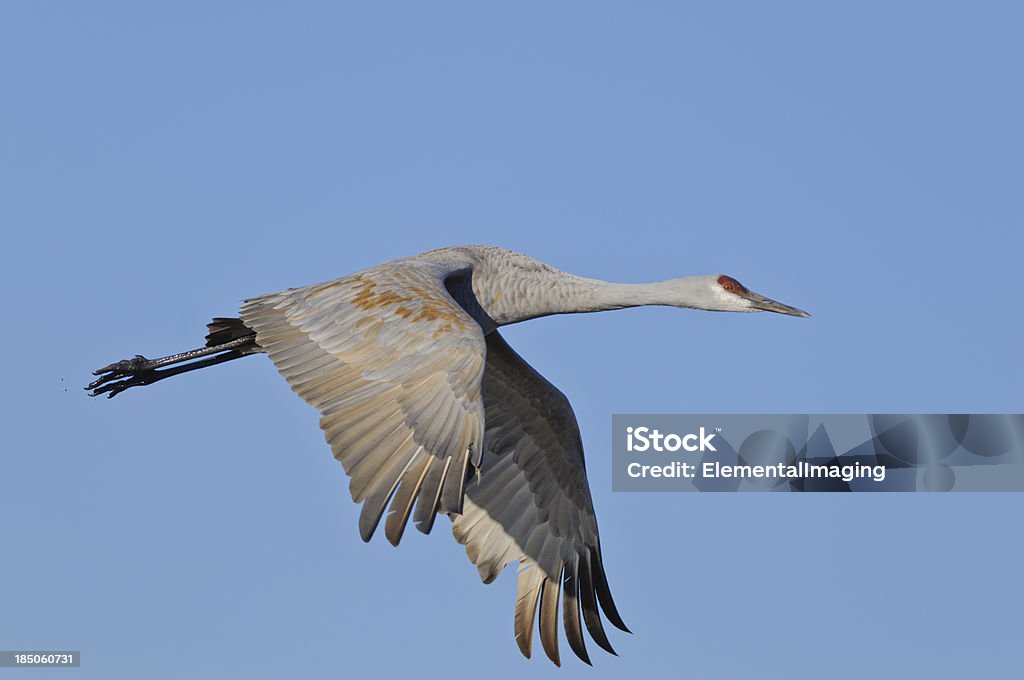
{"type": "Point", "coordinates": [730, 284]}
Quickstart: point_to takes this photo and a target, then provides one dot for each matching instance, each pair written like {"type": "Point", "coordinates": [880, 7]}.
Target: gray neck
{"type": "Point", "coordinates": [515, 300]}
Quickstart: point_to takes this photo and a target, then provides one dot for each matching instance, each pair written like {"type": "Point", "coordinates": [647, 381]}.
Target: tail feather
{"type": "Point", "coordinates": [224, 329]}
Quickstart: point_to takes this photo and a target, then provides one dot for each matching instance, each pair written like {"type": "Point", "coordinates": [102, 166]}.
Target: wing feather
{"type": "Point", "coordinates": [384, 485]}
{"type": "Point", "coordinates": [430, 495]}
{"type": "Point", "coordinates": [531, 581]}
{"type": "Point", "coordinates": [394, 364]}
{"type": "Point", "coordinates": [571, 611]}
{"type": "Point", "coordinates": [604, 593]}
{"type": "Point", "coordinates": [588, 602]}
{"type": "Point", "coordinates": [549, 618]}
{"type": "Point", "coordinates": [394, 527]}
{"type": "Point", "coordinates": [532, 503]}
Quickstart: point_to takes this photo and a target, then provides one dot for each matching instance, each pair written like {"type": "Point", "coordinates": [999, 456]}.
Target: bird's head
{"type": "Point", "coordinates": [721, 293]}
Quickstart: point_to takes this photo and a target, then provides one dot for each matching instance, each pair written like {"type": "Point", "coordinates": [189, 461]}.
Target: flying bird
{"type": "Point", "coordinates": [430, 411]}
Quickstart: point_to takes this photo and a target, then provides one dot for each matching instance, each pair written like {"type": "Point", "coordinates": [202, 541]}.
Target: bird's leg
{"type": "Point", "coordinates": [139, 370]}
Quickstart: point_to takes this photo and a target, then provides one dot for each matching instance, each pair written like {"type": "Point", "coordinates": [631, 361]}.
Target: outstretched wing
{"type": "Point", "coordinates": [531, 503]}
{"type": "Point", "coordinates": [394, 365]}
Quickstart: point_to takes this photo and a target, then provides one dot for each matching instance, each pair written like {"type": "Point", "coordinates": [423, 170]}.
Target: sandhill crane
{"type": "Point", "coordinates": [425, 404]}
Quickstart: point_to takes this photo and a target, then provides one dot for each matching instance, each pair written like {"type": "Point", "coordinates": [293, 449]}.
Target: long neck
{"type": "Point", "coordinates": [518, 299]}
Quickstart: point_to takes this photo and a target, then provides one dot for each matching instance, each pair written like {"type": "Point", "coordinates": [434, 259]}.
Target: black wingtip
{"type": "Point", "coordinates": [604, 594]}
{"type": "Point", "coordinates": [617, 622]}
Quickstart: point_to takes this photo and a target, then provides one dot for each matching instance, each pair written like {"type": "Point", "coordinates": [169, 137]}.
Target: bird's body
{"type": "Point", "coordinates": [430, 411]}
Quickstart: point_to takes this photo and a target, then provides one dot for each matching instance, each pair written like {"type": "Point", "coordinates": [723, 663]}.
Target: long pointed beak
{"type": "Point", "coordinates": [764, 304]}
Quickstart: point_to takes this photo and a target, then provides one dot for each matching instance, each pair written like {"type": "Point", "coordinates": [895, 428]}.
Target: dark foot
{"type": "Point", "coordinates": [120, 375]}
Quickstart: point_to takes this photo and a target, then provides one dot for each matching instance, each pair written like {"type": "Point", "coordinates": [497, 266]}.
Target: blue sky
{"type": "Point", "coordinates": [160, 163]}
